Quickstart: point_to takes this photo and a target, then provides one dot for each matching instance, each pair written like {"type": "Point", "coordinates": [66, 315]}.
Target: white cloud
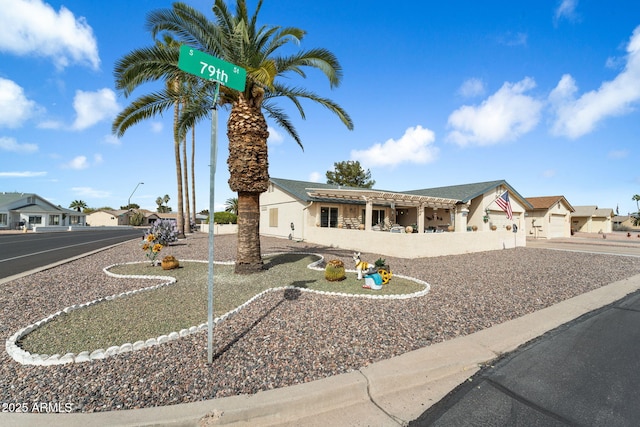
{"type": "Point", "coordinates": [32, 27]}
{"type": "Point", "coordinates": [275, 138]}
{"type": "Point", "coordinates": [15, 108]}
{"type": "Point", "coordinates": [618, 154]}
{"type": "Point", "coordinates": [92, 107]}
{"type": "Point", "coordinates": [511, 39]}
{"type": "Point", "coordinates": [10, 144]}
{"type": "Point", "coordinates": [504, 116]}
{"type": "Point", "coordinates": [549, 173]}
{"type": "Point", "coordinates": [78, 162]}
{"type": "Point", "coordinates": [111, 140]}
{"type": "Point", "coordinates": [567, 10]}
{"type": "Point", "coordinates": [24, 174]}
{"type": "Point", "coordinates": [415, 146]}
{"type": "Point", "coordinates": [315, 176]}
{"type": "Point", "coordinates": [577, 117]}
{"type": "Point", "coordinates": [472, 87]}
{"type": "Point", "coordinates": [97, 159]}
{"type": "Point", "coordinates": [90, 192]}
{"type": "Point", "coordinates": [156, 127]}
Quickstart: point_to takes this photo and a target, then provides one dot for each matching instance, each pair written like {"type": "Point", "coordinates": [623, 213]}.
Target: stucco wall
{"type": "Point", "coordinates": [416, 245]}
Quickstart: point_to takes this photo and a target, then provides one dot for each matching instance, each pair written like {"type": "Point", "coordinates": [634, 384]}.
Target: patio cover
{"type": "Point", "coordinates": [383, 197]}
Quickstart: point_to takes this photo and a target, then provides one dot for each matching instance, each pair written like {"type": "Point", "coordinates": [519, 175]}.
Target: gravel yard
{"type": "Point", "coordinates": [285, 338]}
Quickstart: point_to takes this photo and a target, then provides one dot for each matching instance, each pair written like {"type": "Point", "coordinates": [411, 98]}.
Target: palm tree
{"type": "Point", "coordinates": [231, 205]}
{"type": "Point", "coordinates": [236, 38]}
{"type": "Point", "coordinates": [636, 197]}
{"type": "Point", "coordinates": [78, 205]}
{"type": "Point", "coordinates": [137, 65]}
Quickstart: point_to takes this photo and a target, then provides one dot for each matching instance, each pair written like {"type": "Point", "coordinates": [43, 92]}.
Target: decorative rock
{"type": "Point", "coordinates": [83, 357]}
{"type": "Point", "coordinates": [138, 345]}
{"type": "Point", "coordinates": [173, 336]}
{"type": "Point", "coordinates": [67, 358]}
{"type": "Point", "coordinates": [97, 354]}
{"type": "Point", "coordinates": [126, 348]}
{"type": "Point", "coordinates": [184, 332]}
{"type": "Point", "coordinates": [150, 342]}
{"type": "Point", "coordinates": [112, 350]}
{"type": "Point", "coordinates": [162, 339]}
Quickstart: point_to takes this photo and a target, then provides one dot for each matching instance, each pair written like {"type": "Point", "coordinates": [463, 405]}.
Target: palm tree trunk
{"type": "Point", "coordinates": [249, 177]}
{"type": "Point", "coordinates": [248, 257]}
{"type": "Point", "coordinates": [176, 147]}
{"type": "Point", "coordinates": [193, 174]}
{"type": "Point", "coordinates": [187, 216]}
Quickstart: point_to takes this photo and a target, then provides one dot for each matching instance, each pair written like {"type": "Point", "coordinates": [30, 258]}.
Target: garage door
{"type": "Point", "coordinates": [557, 226]}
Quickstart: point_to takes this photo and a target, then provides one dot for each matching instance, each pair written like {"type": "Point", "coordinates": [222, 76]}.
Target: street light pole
{"type": "Point", "coordinates": [134, 190]}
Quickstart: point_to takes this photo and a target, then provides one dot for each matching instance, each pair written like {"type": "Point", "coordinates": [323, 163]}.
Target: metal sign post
{"type": "Point", "coordinates": [214, 69]}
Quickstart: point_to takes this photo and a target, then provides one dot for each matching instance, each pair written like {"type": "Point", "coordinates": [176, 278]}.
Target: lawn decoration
{"type": "Point", "coordinates": [362, 267]}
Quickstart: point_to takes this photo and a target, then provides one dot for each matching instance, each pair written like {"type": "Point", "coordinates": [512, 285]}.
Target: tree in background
{"type": "Point", "coordinates": [231, 205]}
{"type": "Point", "coordinates": [636, 216]}
{"type": "Point", "coordinates": [351, 174]}
{"type": "Point", "coordinates": [78, 205]}
{"type": "Point", "coordinates": [163, 204]}
{"type": "Point", "coordinates": [130, 207]}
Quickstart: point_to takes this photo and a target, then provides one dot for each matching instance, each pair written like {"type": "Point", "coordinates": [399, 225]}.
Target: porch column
{"type": "Point", "coordinates": [421, 218]}
{"type": "Point", "coordinates": [368, 215]}
{"type": "Point", "coordinates": [461, 217]}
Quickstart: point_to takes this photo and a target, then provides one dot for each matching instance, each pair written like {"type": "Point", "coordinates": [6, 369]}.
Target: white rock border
{"type": "Point", "coordinates": [25, 358]}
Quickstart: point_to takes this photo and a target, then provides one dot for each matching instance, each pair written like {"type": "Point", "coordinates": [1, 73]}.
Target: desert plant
{"type": "Point", "coordinates": [136, 219]}
{"type": "Point", "coordinates": [165, 231]}
{"type": "Point", "coordinates": [334, 271]}
{"type": "Point", "coordinates": [380, 262]}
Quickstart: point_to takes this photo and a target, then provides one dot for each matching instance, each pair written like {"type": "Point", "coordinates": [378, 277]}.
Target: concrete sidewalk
{"type": "Point", "coordinates": [388, 393]}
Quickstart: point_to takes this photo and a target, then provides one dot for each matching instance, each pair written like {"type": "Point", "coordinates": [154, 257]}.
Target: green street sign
{"type": "Point", "coordinates": [211, 68]}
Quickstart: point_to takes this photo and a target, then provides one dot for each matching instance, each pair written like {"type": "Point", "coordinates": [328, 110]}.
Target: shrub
{"type": "Point", "coordinates": [334, 271]}
{"type": "Point", "coordinates": [136, 219]}
{"type": "Point", "coordinates": [165, 231]}
{"type": "Point", "coordinates": [225, 218]}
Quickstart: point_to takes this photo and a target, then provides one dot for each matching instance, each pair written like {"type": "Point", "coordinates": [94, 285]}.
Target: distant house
{"type": "Point", "coordinates": [550, 217]}
{"type": "Point", "coordinates": [105, 217]}
{"type": "Point", "coordinates": [591, 219]}
{"type": "Point", "coordinates": [343, 217]}
{"type": "Point", "coordinates": [624, 223]}
{"type": "Point", "coordinates": [29, 210]}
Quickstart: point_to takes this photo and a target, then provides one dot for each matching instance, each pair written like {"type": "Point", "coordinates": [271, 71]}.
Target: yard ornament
{"type": "Point", "coordinates": [362, 267]}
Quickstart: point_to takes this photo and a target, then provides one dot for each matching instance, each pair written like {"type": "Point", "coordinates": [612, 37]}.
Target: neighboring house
{"type": "Point", "coordinates": [329, 214]}
{"type": "Point", "coordinates": [591, 219]}
{"type": "Point", "coordinates": [624, 223]}
{"type": "Point", "coordinates": [550, 217]}
{"type": "Point", "coordinates": [30, 210]}
{"type": "Point", "coordinates": [104, 217]}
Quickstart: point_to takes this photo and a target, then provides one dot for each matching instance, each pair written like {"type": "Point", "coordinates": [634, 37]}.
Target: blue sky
{"type": "Point", "coordinates": [546, 97]}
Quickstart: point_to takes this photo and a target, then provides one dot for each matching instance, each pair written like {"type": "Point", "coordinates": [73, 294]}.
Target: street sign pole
{"type": "Point", "coordinates": [214, 69]}
{"type": "Point", "coordinates": [212, 186]}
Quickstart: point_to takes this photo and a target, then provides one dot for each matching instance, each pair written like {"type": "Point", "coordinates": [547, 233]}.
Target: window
{"type": "Point", "coordinates": [35, 219]}
{"type": "Point", "coordinates": [54, 219]}
{"type": "Point", "coordinates": [377, 216]}
{"type": "Point", "coordinates": [329, 217]}
{"type": "Point", "coordinates": [74, 219]}
{"type": "Point", "coordinates": [273, 217]}
{"type": "Point", "coordinates": [3, 218]}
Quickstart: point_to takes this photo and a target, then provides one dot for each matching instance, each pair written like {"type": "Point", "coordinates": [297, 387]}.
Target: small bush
{"type": "Point", "coordinates": [225, 218]}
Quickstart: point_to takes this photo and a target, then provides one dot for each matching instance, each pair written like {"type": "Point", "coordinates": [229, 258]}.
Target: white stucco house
{"type": "Point", "coordinates": [110, 218]}
{"type": "Point", "coordinates": [417, 223]}
{"type": "Point", "coordinates": [549, 218]}
{"type": "Point", "coordinates": [591, 219]}
{"type": "Point", "coordinates": [18, 210]}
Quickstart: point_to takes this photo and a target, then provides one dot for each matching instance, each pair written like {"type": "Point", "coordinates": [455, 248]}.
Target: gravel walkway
{"type": "Point", "coordinates": [281, 340]}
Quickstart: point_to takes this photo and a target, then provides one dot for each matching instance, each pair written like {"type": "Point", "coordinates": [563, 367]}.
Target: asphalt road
{"type": "Point", "coordinates": [584, 373]}
{"type": "Point", "coordinates": [24, 252]}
